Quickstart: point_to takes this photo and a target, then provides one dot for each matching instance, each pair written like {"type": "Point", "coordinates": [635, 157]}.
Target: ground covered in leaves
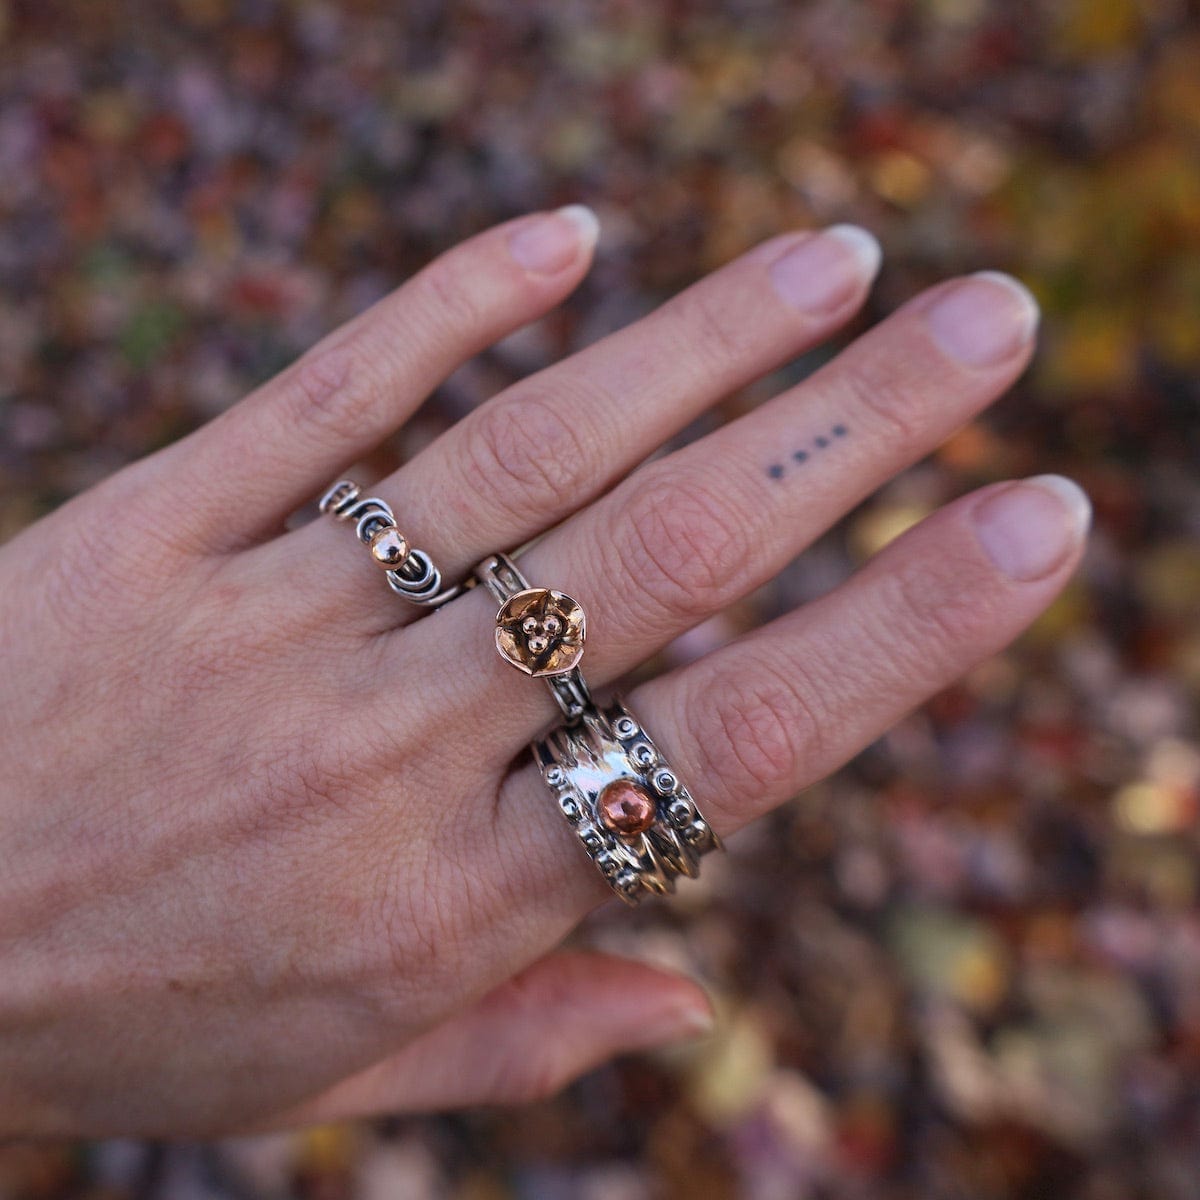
{"type": "Point", "coordinates": [968, 965]}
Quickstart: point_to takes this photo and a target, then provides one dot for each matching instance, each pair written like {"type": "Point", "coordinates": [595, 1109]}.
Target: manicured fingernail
{"type": "Point", "coordinates": [823, 272]}
{"type": "Point", "coordinates": [549, 242]}
{"type": "Point", "coordinates": [984, 319]}
{"type": "Point", "coordinates": [1029, 528]}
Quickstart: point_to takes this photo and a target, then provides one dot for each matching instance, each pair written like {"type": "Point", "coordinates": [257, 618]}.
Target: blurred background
{"type": "Point", "coordinates": [968, 965]}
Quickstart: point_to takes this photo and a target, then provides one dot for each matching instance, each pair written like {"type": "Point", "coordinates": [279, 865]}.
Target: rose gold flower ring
{"type": "Point", "coordinates": [538, 631]}
{"type": "Point", "coordinates": [410, 573]}
{"type": "Point", "coordinates": [633, 816]}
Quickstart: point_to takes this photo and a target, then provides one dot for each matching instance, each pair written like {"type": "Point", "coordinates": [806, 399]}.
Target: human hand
{"type": "Point", "coordinates": [265, 855]}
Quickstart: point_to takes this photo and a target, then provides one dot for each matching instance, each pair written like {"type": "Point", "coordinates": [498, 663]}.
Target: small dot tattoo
{"type": "Point", "coordinates": [820, 442]}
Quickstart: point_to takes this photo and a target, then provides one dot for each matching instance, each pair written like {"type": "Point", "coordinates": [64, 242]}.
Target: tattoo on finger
{"type": "Point", "coordinates": [801, 455]}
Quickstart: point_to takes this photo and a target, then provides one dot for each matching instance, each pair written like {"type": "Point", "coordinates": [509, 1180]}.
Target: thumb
{"type": "Point", "coordinates": [524, 1040]}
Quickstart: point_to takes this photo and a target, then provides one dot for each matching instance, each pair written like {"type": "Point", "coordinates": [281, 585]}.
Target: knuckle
{"type": "Point", "coordinates": [684, 546]}
{"type": "Point", "coordinates": [881, 392]}
{"type": "Point", "coordinates": [707, 328]}
{"type": "Point", "coordinates": [539, 1072]}
{"type": "Point", "coordinates": [526, 455]}
{"type": "Point", "coordinates": [525, 1071]}
{"type": "Point", "coordinates": [755, 733]}
{"type": "Point", "coordinates": [333, 390]}
{"type": "Point", "coordinates": [933, 609]}
{"type": "Point", "coordinates": [445, 295]}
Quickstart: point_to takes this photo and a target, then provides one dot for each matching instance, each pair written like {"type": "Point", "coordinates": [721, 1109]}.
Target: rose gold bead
{"type": "Point", "coordinates": [625, 808]}
{"type": "Point", "coordinates": [389, 547]}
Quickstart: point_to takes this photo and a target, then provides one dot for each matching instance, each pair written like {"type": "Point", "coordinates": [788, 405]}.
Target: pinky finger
{"type": "Point", "coordinates": [525, 1040]}
{"type": "Point", "coordinates": [781, 708]}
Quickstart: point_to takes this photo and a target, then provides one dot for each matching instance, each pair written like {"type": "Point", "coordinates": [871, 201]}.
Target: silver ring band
{"type": "Point", "coordinates": [538, 631]}
{"type": "Point", "coordinates": [633, 816]}
{"type": "Point", "coordinates": [410, 573]}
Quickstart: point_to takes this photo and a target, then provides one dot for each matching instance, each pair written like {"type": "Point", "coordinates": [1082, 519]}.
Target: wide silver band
{"type": "Point", "coordinates": [414, 578]}
{"type": "Point", "coordinates": [605, 754]}
{"type": "Point", "coordinates": [502, 577]}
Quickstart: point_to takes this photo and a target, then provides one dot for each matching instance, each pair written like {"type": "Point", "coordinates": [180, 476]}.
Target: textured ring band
{"type": "Point", "coordinates": [633, 816]}
{"type": "Point", "coordinates": [410, 573]}
{"type": "Point", "coordinates": [539, 631]}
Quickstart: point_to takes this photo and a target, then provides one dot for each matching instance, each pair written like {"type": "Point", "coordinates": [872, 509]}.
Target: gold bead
{"type": "Point", "coordinates": [389, 547]}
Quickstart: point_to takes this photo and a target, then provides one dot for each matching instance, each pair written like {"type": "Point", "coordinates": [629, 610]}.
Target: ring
{"type": "Point", "coordinates": [633, 816]}
{"type": "Point", "coordinates": [539, 631]}
{"type": "Point", "coordinates": [410, 573]}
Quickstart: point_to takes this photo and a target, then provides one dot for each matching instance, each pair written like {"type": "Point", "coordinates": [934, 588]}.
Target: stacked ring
{"type": "Point", "coordinates": [633, 816]}
{"type": "Point", "coordinates": [410, 573]}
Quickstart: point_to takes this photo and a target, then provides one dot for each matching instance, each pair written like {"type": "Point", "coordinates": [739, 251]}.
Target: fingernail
{"type": "Point", "coordinates": [680, 1024]}
{"type": "Point", "coordinates": [1029, 528]}
{"type": "Point", "coordinates": [549, 242]}
{"type": "Point", "coordinates": [825, 271]}
{"type": "Point", "coordinates": [984, 319]}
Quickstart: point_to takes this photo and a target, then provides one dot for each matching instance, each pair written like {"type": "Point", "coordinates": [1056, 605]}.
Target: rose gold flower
{"type": "Point", "coordinates": [540, 632]}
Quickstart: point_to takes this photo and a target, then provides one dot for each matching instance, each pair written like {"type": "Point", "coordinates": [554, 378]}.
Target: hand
{"type": "Point", "coordinates": [265, 857]}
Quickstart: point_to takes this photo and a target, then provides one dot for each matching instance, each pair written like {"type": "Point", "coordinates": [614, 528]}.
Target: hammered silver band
{"type": "Point", "coordinates": [628, 808]}
{"type": "Point", "coordinates": [503, 578]}
{"type": "Point", "coordinates": [411, 573]}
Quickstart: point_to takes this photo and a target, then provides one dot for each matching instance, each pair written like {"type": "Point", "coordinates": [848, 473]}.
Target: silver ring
{"type": "Point", "coordinates": [539, 631]}
{"type": "Point", "coordinates": [627, 806]}
{"type": "Point", "coordinates": [410, 573]}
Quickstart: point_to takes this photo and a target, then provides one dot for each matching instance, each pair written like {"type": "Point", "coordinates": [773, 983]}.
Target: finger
{"type": "Point", "coordinates": [751, 724]}
{"type": "Point", "coordinates": [687, 535]}
{"type": "Point", "coordinates": [243, 473]}
{"type": "Point", "coordinates": [544, 447]}
{"type": "Point", "coordinates": [525, 1040]}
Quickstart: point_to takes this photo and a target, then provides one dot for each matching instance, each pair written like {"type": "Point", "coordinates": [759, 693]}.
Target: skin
{"type": "Point", "coordinates": [272, 852]}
